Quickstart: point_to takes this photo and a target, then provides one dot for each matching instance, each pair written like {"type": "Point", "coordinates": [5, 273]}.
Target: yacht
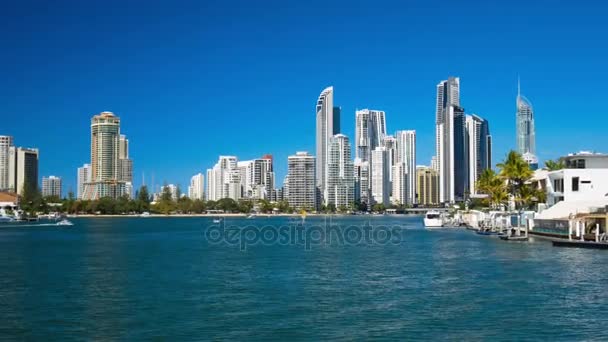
{"type": "Point", "coordinates": [65, 222]}
{"type": "Point", "coordinates": [217, 220]}
{"type": "Point", "coordinates": [433, 219]}
{"type": "Point", "coordinates": [145, 214]}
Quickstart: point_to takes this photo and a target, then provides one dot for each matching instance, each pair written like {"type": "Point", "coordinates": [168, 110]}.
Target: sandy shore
{"type": "Point", "coordinates": [201, 215]}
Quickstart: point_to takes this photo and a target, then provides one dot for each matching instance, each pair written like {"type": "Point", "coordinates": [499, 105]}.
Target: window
{"type": "Point", "coordinates": [558, 185]}
{"type": "Point", "coordinates": [575, 181]}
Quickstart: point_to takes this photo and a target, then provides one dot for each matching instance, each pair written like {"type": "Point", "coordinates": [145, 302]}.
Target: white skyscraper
{"type": "Point", "coordinates": [448, 94]}
{"type": "Point", "coordinates": [224, 179]}
{"type": "Point", "coordinates": [526, 134]}
{"type": "Point", "coordinates": [197, 186]}
{"type": "Point", "coordinates": [453, 164]}
{"type": "Point", "coordinates": [328, 125]}
{"type": "Point", "coordinates": [301, 183]}
{"type": "Point", "coordinates": [6, 142]}
{"type": "Point", "coordinates": [400, 184]}
{"type": "Point", "coordinates": [84, 176]}
{"type": "Point", "coordinates": [362, 181]}
{"type": "Point", "coordinates": [380, 182]}
{"type": "Point", "coordinates": [406, 153]}
{"type": "Point", "coordinates": [23, 169]}
{"type": "Point", "coordinates": [390, 143]}
{"type": "Point", "coordinates": [51, 186]}
{"type": "Point", "coordinates": [340, 179]}
{"type": "Point", "coordinates": [370, 130]}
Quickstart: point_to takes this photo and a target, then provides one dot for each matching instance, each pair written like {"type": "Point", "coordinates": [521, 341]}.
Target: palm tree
{"type": "Point", "coordinates": [551, 165]}
{"type": "Point", "coordinates": [491, 184]}
{"type": "Point", "coordinates": [516, 172]}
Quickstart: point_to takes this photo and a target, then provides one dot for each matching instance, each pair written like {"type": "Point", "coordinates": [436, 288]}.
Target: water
{"type": "Point", "coordinates": [158, 278]}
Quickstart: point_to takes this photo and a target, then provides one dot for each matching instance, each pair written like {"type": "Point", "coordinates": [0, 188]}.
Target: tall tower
{"type": "Point", "coordinates": [340, 172]}
{"type": "Point", "coordinates": [448, 94]}
{"type": "Point", "coordinates": [406, 153]}
{"type": "Point", "coordinates": [526, 136]}
{"type": "Point", "coordinates": [479, 146]}
{"type": "Point", "coordinates": [301, 183]}
{"type": "Point", "coordinates": [105, 158]}
{"type": "Point", "coordinates": [370, 130]}
{"type": "Point", "coordinates": [5, 144]}
{"type": "Point", "coordinates": [328, 125]}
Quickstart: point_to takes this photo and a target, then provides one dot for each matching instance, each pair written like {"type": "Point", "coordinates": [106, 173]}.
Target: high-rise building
{"type": "Point", "coordinates": [400, 184]}
{"type": "Point", "coordinates": [526, 142]}
{"type": "Point", "coordinates": [6, 142]}
{"type": "Point", "coordinates": [196, 189]}
{"type": "Point", "coordinates": [341, 192]}
{"type": "Point", "coordinates": [224, 180]}
{"type": "Point", "coordinates": [362, 181]}
{"type": "Point", "coordinates": [448, 96]}
{"type": "Point", "coordinates": [406, 153]}
{"type": "Point", "coordinates": [390, 144]}
{"type": "Point", "coordinates": [23, 169]}
{"type": "Point", "coordinates": [301, 182]}
{"type": "Point", "coordinates": [83, 177]}
{"type": "Point", "coordinates": [380, 188]}
{"type": "Point", "coordinates": [370, 130]}
{"type": "Point", "coordinates": [51, 186]}
{"type": "Point", "coordinates": [479, 147]}
{"type": "Point", "coordinates": [328, 125]}
{"type": "Point", "coordinates": [453, 164]}
{"type": "Point", "coordinates": [257, 176]}
{"type": "Point", "coordinates": [105, 158]}
{"type": "Point", "coordinates": [172, 188]}
{"type": "Point", "coordinates": [427, 186]}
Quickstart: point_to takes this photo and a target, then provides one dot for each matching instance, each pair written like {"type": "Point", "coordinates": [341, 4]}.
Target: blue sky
{"type": "Point", "coordinates": [195, 79]}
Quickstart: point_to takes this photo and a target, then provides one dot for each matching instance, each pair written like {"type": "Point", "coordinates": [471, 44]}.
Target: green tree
{"type": "Point", "coordinates": [553, 165]}
{"type": "Point", "coordinates": [379, 207]}
{"type": "Point", "coordinates": [516, 172]}
{"type": "Point", "coordinates": [494, 186]}
{"type": "Point", "coordinates": [227, 205]}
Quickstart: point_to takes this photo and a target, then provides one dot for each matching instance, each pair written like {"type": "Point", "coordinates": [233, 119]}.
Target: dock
{"type": "Point", "coordinates": [579, 244]}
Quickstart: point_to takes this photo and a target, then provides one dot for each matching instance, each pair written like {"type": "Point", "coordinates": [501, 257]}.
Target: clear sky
{"type": "Point", "coordinates": [195, 79]}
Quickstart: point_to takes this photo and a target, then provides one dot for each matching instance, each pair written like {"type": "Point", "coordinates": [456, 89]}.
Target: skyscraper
{"type": "Point", "coordinates": [105, 158]}
{"type": "Point", "coordinates": [406, 153]}
{"type": "Point", "coordinates": [362, 181]}
{"type": "Point", "coordinates": [328, 125]}
{"type": "Point", "coordinates": [380, 188]}
{"type": "Point", "coordinates": [301, 182]}
{"type": "Point", "coordinates": [340, 173]}
{"type": "Point", "coordinates": [427, 186]}
{"type": "Point", "coordinates": [479, 147]}
{"type": "Point", "coordinates": [23, 169]}
{"type": "Point", "coordinates": [453, 164]}
{"type": "Point", "coordinates": [224, 180]}
{"type": "Point", "coordinates": [83, 177]}
{"type": "Point", "coordinates": [370, 130]}
{"type": "Point", "coordinates": [400, 184]}
{"type": "Point", "coordinates": [51, 186]}
{"type": "Point", "coordinates": [6, 142]}
{"type": "Point", "coordinates": [526, 136]}
{"type": "Point", "coordinates": [197, 186]}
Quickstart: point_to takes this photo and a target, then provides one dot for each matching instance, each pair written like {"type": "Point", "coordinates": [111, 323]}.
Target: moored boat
{"type": "Point", "coordinates": [433, 219]}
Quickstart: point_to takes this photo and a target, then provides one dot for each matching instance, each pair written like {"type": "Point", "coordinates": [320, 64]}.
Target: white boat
{"type": "Point", "coordinates": [217, 220]}
{"type": "Point", "coordinates": [65, 222]}
{"type": "Point", "coordinates": [250, 216]}
{"type": "Point", "coordinates": [145, 214]}
{"type": "Point", "coordinates": [5, 216]}
{"type": "Point", "coordinates": [433, 219]}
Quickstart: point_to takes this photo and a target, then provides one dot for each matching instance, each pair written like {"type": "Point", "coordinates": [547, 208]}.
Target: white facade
{"type": "Point", "coordinates": [325, 130]}
{"type": "Point", "coordinates": [221, 179]}
{"type": "Point", "coordinates": [6, 142]}
{"type": "Point", "coordinates": [362, 181]}
{"type": "Point", "coordinates": [340, 173]}
{"type": "Point", "coordinates": [400, 184]}
{"type": "Point", "coordinates": [380, 188]}
{"type": "Point", "coordinates": [448, 98]}
{"type": "Point", "coordinates": [406, 153]}
{"type": "Point", "coordinates": [576, 185]}
{"type": "Point", "coordinates": [196, 190]}
{"type": "Point", "coordinates": [51, 186]}
{"type": "Point", "coordinates": [301, 182]}
{"type": "Point", "coordinates": [370, 130]}
{"type": "Point", "coordinates": [83, 177]}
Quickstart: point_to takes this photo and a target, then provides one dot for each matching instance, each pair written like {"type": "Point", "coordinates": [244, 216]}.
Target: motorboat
{"type": "Point", "coordinates": [433, 219]}
{"type": "Point", "coordinates": [217, 220]}
{"type": "Point", "coordinates": [5, 216]}
{"type": "Point", "coordinates": [65, 222]}
{"type": "Point", "coordinates": [145, 214]}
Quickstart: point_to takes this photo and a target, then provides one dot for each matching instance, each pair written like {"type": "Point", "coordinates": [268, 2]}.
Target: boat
{"type": "Point", "coordinates": [217, 220]}
{"type": "Point", "coordinates": [65, 222]}
{"type": "Point", "coordinates": [250, 216]}
{"type": "Point", "coordinates": [145, 214]}
{"type": "Point", "coordinates": [433, 219]}
{"type": "Point", "coordinates": [513, 238]}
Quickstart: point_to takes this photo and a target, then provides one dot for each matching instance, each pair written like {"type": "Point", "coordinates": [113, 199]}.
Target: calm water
{"type": "Point", "coordinates": [159, 278]}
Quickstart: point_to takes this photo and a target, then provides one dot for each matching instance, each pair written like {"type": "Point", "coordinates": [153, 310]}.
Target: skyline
{"type": "Point", "coordinates": [169, 90]}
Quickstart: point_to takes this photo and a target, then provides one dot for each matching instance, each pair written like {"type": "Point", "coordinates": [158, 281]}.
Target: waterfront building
{"type": "Point", "coordinates": [479, 147]}
{"type": "Point", "coordinates": [6, 142]}
{"type": "Point", "coordinates": [224, 179]}
{"type": "Point", "coordinates": [370, 130]}
{"type": "Point", "coordinates": [448, 94]}
{"type": "Point", "coordinates": [380, 185]}
{"type": "Point", "coordinates": [526, 135]}
{"type": "Point", "coordinates": [400, 184]}
{"type": "Point", "coordinates": [23, 169]}
{"type": "Point", "coordinates": [453, 161]}
{"type": "Point", "coordinates": [341, 192]}
{"type": "Point", "coordinates": [328, 125]}
{"type": "Point", "coordinates": [301, 182]}
{"type": "Point", "coordinates": [390, 144]}
{"type": "Point", "coordinates": [106, 165]}
{"type": "Point", "coordinates": [83, 176]}
{"type": "Point", "coordinates": [362, 181]}
{"type": "Point", "coordinates": [427, 186]}
{"type": "Point", "coordinates": [196, 190]}
{"type": "Point", "coordinates": [406, 153]}
{"type": "Point", "coordinates": [51, 186]}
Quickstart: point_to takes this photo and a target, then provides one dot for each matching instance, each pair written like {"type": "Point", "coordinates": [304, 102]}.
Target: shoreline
{"type": "Point", "coordinates": [224, 215]}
